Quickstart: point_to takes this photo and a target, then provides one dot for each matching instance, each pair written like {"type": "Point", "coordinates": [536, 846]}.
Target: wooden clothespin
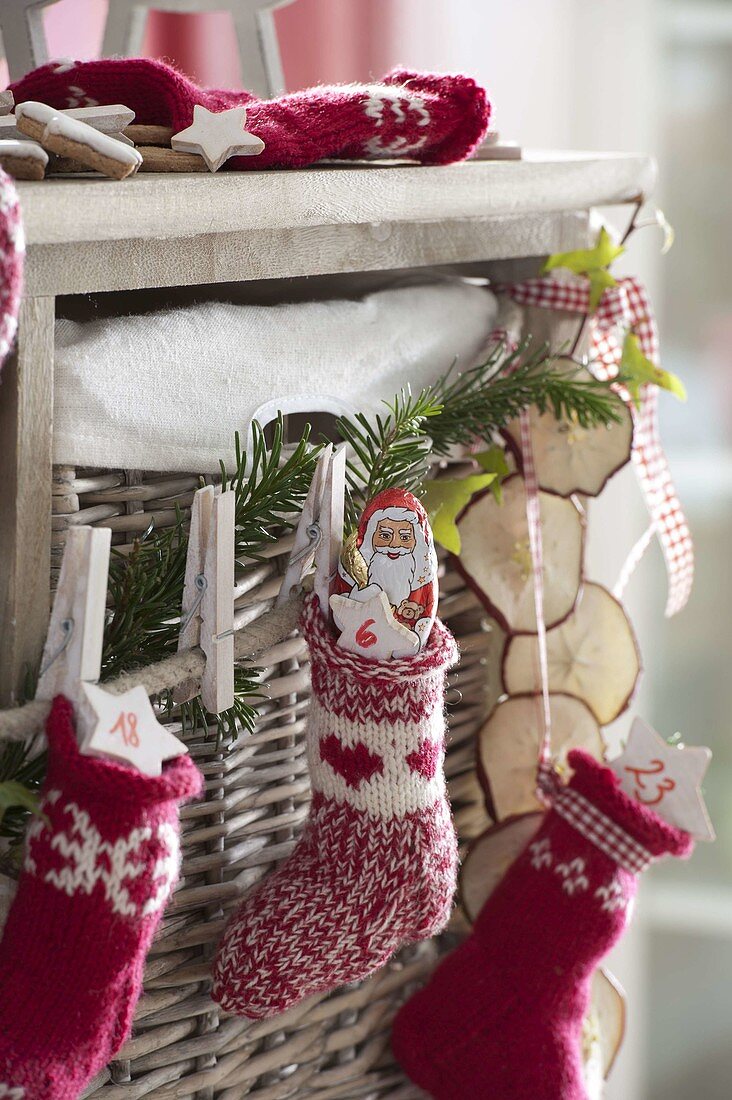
{"type": "Point", "coordinates": [207, 613]}
{"type": "Point", "coordinates": [123, 726]}
{"type": "Point", "coordinates": [72, 655]}
{"type": "Point", "coordinates": [319, 533]}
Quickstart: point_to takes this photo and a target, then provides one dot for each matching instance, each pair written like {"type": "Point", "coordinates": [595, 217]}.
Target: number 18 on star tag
{"type": "Point", "coordinates": [126, 728]}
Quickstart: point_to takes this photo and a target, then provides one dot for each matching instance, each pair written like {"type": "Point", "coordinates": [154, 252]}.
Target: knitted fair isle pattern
{"type": "Point", "coordinates": [101, 860]}
{"type": "Point", "coordinates": [377, 861]}
{"type": "Point", "coordinates": [432, 117]}
{"type": "Point", "coordinates": [502, 1015]}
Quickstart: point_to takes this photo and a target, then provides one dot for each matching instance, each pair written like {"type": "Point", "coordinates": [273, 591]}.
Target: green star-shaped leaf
{"type": "Point", "coordinates": [592, 262]}
{"type": "Point", "coordinates": [445, 500]}
{"type": "Point", "coordinates": [636, 370]}
{"type": "Point", "coordinates": [493, 461]}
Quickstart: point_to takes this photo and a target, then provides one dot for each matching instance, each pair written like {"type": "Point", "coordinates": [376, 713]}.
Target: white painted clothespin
{"type": "Point", "coordinates": [319, 533]}
{"type": "Point", "coordinates": [72, 655]}
{"type": "Point", "coordinates": [123, 726]}
{"type": "Point", "coordinates": [207, 614]}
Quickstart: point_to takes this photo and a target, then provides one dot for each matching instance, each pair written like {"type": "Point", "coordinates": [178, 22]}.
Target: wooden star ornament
{"type": "Point", "coordinates": [127, 729]}
{"type": "Point", "coordinates": [216, 136]}
{"type": "Point", "coordinates": [667, 778]}
{"type": "Point", "coordinates": [369, 628]}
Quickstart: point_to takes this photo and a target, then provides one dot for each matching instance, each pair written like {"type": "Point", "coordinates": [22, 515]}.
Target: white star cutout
{"type": "Point", "coordinates": [218, 136]}
{"type": "Point", "coordinates": [370, 629]}
{"type": "Point", "coordinates": [127, 729]}
{"type": "Point", "coordinates": [667, 778]}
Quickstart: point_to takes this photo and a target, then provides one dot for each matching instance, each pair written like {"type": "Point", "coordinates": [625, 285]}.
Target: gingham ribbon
{"type": "Point", "coordinates": [622, 307]}
{"type": "Point", "coordinates": [600, 829]}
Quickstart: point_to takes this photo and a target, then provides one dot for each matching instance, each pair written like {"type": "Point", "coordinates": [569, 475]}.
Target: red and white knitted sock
{"type": "Point", "coordinates": [100, 864]}
{"type": "Point", "coordinates": [376, 865]}
{"type": "Point", "coordinates": [12, 255]}
{"type": "Point", "coordinates": [501, 1017]}
{"type": "Point", "coordinates": [433, 118]}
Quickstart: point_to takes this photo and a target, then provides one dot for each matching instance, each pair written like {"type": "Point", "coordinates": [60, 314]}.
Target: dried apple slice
{"type": "Point", "coordinates": [508, 748]}
{"type": "Point", "coordinates": [593, 655]}
{"type": "Point", "coordinates": [603, 1030]}
{"type": "Point", "coordinates": [489, 857]}
{"type": "Point", "coordinates": [571, 459]}
{"type": "Point", "coordinates": [496, 562]}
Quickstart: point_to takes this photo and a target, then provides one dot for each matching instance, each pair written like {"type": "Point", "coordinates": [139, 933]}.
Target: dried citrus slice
{"type": "Point", "coordinates": [572, 459]}
{"type": "Point", "coordinates": [496, 561]}
{"type": "Point", "coordinates": [593, 655]}
{"type": "Point", "coordinates": [508, 748]}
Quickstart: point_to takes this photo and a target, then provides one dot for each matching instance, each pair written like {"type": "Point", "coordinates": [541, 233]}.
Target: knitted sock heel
{"type": "Point", "coordinates": [376, 864]}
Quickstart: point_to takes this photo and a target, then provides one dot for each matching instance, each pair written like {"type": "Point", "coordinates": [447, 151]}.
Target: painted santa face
{"type": "Point", "coordinates": [394, 538]}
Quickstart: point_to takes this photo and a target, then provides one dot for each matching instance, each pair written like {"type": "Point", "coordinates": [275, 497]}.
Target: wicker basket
{"type": "Point", "coordinates": [257, 795]}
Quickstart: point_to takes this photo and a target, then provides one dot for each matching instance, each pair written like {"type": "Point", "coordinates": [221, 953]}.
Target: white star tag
{"type": "Point", "coordinates": [667, 778]}
{"type": "Point", "coordinates": [218, 136]}
{"type": "Point", "coordinates": [370, 629]}
{"type": "Point", "coordinates": [127, 729]}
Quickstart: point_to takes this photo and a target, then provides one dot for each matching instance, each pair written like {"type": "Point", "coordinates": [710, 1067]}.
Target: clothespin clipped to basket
{"type": "Point", "coordinates": [123, 726]}
{"type": "Point", "coordinates": [207, 614]}
{"type": "Point", "coordinates": [319, 533]}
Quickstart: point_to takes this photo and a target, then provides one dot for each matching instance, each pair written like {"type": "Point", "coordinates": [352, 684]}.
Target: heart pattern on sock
{"type": "Point", "coordinates": [354, 763]}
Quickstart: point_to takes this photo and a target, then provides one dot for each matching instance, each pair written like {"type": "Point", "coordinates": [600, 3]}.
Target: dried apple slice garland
{"type": "Point", "coordinates": [495, 558]}
{"type": "Point", "coordinates": [507, 748]}
{"type": "Point", "coordinates": [572, 459]}
{"type": "Point", "coordinates": [592, 655]}
{"type": "Point", "coordinates": [489, 857]}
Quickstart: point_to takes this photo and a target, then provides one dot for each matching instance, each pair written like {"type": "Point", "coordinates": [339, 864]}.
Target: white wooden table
{"type": "Point", "coordinates": [94, 235]}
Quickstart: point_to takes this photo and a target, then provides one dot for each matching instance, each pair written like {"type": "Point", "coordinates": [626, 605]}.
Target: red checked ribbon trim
{"type": "Point", "coordinates": [622, 307]}
{"type": "Point", "coordinates": [600, 830]}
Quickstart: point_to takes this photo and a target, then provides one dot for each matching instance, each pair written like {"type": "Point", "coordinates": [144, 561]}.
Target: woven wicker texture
{"type": "Point", "coordinates": [257, 796]}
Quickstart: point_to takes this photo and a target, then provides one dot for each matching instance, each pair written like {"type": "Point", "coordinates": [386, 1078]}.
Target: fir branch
{"type": "Point", "coordinates": [270, 491]}
{"type": "Point", "coordinates": [17, 765]}
{"type": "Point", "coordinates": [483, 400]}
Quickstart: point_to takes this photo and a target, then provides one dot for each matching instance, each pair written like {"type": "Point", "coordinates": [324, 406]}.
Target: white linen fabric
{"type": "Point", "coordinates": [166, 391]}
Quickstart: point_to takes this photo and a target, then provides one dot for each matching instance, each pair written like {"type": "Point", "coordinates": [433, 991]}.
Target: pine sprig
{"type": "Point", "coordinates": [18, 765]}
{"type": "Point", "coordinates": [271, 488]}
{"type": "Point", "coordinates": [483, 400]}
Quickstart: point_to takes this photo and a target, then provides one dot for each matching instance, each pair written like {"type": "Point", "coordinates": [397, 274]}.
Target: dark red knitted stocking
{"type": "Point", "coordinates": [501, 1017]}
{"type": "Point", "coordinates": [99, 867]}
{"type": "Point", "coordinates": [434, 118]}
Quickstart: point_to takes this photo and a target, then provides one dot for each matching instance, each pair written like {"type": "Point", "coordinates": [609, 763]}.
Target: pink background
{"type": "Point", "coordinates": [320, 40]}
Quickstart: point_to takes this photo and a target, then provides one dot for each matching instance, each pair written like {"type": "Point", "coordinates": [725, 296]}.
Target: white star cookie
{"type": "Point", "coordinates": [667, 778]}
{"type": "Point", "coordinates": [127, 729]}
{"type": "Point", "coordinates": [369, 628]}
{"type": "Point", "coordinates": [218, 136]}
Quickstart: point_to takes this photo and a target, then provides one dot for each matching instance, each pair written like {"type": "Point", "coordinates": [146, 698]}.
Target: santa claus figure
{"type": "Point", "coordinates": [395, 541]}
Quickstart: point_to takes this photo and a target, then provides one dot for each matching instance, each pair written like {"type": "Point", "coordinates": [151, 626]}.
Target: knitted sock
{"type": "Point", "coordinates": [433, 118]}
{"type": "Point", "coordinates": [376, 864]}
{"type": "Point", "coordinates": [501, 1017]}
{"type": "Point", "coordinates": [12, 254]}
{"type": "Point", "coordinates": [100, 864]}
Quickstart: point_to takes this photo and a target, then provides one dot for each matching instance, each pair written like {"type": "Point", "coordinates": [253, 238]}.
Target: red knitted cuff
{"type": "Point", "coordinates": [601, 786]}
{"type": "Point", "coordinates": [104, 784]}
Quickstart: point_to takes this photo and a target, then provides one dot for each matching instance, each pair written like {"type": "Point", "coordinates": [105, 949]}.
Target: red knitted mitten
{"type": "Point", "coordinates": [434, 118]}
{"type": "Point", "coordinates": [501, 1017]}
{"type": "Point", "coordinates": [376, 865]}
{"type": "Point", "coordinates": [99, 867]}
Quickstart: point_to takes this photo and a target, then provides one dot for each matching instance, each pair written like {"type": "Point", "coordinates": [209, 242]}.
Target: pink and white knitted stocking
{"type": "Point", "coordinates": [376, 865]}
{"type": "Point", "coordinates": [101, 860]}
{"type": "Point", "coordinates": [501, 1017]}
{"type": "Point", "coordinates": [12, 255]}
{"type": "Point", "coordinates": [431, 117]}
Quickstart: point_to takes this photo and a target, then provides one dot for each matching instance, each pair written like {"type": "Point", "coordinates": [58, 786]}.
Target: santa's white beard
{"type": "Point", "coordinates": [394, 575]}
